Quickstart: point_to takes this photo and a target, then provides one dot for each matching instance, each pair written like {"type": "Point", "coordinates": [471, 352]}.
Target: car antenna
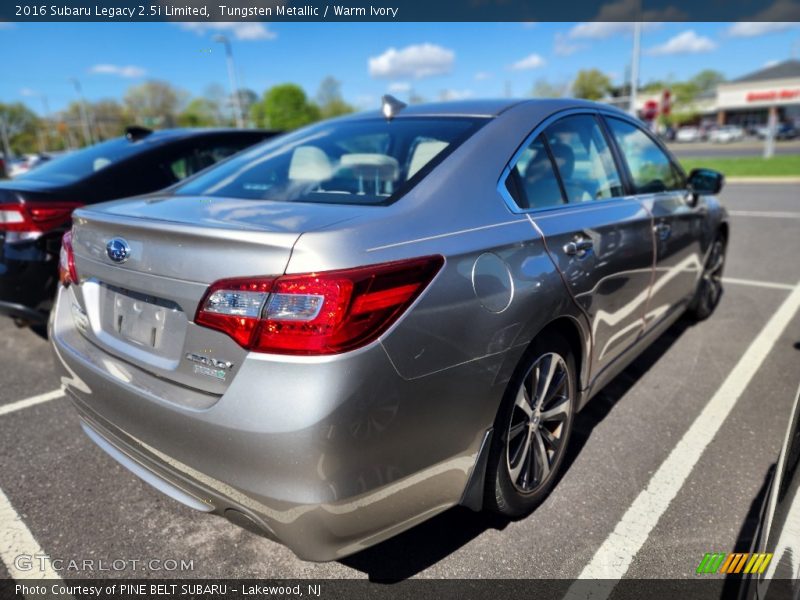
{"type": "Point", "coordinates": [390, 106]}
{"type": "Point", "coordinates": [137, 132]}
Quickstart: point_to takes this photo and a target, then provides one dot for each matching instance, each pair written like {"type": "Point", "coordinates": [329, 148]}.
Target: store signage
{"type": "Point", "coordinates": [772, 95]}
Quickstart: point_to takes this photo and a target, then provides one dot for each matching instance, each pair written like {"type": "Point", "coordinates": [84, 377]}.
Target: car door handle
{"type": "Point", "coordinates": [663, 230]}
{"type": "Point", "coordinates": [578, 247]}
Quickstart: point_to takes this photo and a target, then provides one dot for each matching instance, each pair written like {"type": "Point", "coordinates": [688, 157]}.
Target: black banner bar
{"type": "Point", "coordinates": [397, 10]}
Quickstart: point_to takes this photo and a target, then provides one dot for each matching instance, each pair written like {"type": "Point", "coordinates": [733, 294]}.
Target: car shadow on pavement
{"type": "Point", "coordinates": [413, 551]}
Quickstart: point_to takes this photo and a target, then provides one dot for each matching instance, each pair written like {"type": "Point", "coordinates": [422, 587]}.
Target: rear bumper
{"type": "Point", "coordinates": [27, 283]}
{"type": "Point", "coordinates": [326, 456]}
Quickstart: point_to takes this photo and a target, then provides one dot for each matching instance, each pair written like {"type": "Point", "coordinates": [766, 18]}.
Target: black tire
{"type": "Point", "coordinates": [516, 495]}
{"type": "Point", "coordinates": [709, 287]}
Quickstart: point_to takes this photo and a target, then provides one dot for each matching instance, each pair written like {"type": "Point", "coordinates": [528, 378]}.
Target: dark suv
{"type": "Point", "coordinates": [35, 208]}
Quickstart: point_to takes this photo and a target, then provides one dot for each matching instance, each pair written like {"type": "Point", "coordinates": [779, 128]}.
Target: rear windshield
{"type": "Point", "coordinates": [82, 163]}
{"type": "Point", "coordinates": [369, 161]}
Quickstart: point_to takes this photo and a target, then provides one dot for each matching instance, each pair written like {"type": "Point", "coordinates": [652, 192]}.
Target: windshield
{"type": "Point", "coordinates": [369, 161]}
{"type": "Point", "coordinates": [82, 163]}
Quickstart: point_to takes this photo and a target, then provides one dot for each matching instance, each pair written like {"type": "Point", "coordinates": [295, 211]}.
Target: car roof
{"type": "Point", "coordinates": [168, 135]}
{"type": "Point", "coordinates": [485, 108]}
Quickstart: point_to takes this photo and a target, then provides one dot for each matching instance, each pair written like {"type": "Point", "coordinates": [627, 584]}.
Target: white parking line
{"type": "Point", "coordinates": [773, 214]}
{"type": "Point", "coordinates": [615, 555]}
{"type": "Point", "coordinates": [32, 401]}
{"type": "Point", "coordinates": [17, 541]}
{"type": "Point", "coordinates": [756, 283]}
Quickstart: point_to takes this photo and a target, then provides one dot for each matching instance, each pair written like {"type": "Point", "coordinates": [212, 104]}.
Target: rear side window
{"type": "Point", "coordinates": [583, 159]}
{"type": "Point", "coordinates": [193, 160]}
{"type": "Point", "coordinates": [367, 161]}
{"type": "Point", "coordinates": [650, 168]}
{"type": "Point", "coordinates": [532, 182]}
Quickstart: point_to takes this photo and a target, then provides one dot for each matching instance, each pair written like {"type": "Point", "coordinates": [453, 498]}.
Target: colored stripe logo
{"type": "Point", "coordinates": [733, 563]}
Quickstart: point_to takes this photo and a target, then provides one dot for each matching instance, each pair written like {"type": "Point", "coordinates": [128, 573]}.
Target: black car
{"type": "Point", "coordinates": [35, 208]}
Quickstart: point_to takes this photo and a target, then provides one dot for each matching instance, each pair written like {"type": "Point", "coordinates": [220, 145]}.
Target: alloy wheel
{"type": "Point", "coordinates": [712, 277]}
{"type": "Point", "coordinates": [539, 422]}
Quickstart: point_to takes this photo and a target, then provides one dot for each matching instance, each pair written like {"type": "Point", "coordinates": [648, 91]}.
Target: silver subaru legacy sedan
{"type": "Point", "coordinates": [349, 329]}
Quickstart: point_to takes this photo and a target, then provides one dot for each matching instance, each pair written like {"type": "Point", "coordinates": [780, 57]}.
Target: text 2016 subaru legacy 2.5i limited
{"type": "Point", "coordinates": [345, 331]}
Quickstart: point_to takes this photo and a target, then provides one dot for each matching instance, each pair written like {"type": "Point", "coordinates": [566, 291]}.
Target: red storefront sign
{"type": "Point", "coordinates": [771, 95]}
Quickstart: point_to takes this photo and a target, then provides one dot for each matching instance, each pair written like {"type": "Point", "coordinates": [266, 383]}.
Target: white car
{"type": "Point", "coordinates": [727, 134]}
{"type": "Point", "coordinates": [689, 134]}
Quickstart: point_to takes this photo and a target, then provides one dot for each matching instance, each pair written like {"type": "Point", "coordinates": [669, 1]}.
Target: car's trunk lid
{"type": "Point", "coordinates": [142, 309]}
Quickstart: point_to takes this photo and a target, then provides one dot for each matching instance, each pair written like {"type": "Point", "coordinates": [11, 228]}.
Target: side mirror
{"type": "Point", "coordinates": [704, 181]}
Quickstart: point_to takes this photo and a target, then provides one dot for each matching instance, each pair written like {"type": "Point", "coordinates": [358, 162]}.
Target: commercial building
{"type": "Point", "coordinates": [746, 101]}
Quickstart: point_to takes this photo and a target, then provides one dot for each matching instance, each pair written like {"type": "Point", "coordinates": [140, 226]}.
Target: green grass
{"type": "Point", "coordinates": [749, 166]}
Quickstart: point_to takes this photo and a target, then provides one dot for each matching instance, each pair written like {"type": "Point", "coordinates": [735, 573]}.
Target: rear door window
{"type": "Point", "coordinates": [583, 159]}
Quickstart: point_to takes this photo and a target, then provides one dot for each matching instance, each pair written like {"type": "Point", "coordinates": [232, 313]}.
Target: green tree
{"type": "Point", "coordinates": [591, 84]}
{"type": "Point", "coordinates": [284, 107]}
{"type": "Point", "coordinates": [200, 112]}
{"type": "Point", "coordinates": [154, 103]}
{"type": "Point", "coordinates": [22, 127]}
{"type": "Point", "coordinates": [707, 80]}
{"type": "Point", "coordinates": [544, 89]}
{"type": "Point", "coordinates": [330, 100]}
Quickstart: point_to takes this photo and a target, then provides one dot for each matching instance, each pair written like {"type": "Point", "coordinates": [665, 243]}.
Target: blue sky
{"type": "Point", "coordinates": [436, 59]}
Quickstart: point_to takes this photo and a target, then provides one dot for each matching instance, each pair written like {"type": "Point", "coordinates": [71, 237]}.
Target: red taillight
{"type": "Point", "coordinates": [315, 313]}
{"type": "Point", "coordinates": [66, 261]}
{"type": "Point", "coordinates": [35, 217]}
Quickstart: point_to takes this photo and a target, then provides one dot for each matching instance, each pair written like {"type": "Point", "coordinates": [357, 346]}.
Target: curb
{"type": "Point", "coordinates": [769, 180]}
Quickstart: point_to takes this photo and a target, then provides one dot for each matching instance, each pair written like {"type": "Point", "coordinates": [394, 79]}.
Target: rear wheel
{"type": "Point", "coordinates": [532, 429]}
{"type": "Point", "coordinates": [709, 288]}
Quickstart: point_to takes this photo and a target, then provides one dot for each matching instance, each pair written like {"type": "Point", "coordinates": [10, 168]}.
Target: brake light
{"type": "Point", "coordinates": [66, 261]}
{"type": "Point", "coordinates": [35, 217]}
{"type": "Point", "coordinates": [315, 313]}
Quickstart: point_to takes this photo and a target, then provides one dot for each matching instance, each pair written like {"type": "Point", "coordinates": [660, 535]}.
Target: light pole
{"type": "Point", "coordinates": [87, 132]}
{"type": "Point", "coordinates": [637, 35]}
{"type": "Point", "coordinates": [237, 105]}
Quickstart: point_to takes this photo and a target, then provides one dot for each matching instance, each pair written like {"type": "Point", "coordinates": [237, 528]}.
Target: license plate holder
{"type": "Point", "coordinates": [137, 320]}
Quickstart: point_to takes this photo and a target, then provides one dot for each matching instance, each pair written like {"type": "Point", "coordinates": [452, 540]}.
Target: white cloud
{"type": "Point", "coordinates": [240, 31]}
{"type": "Point", "coordinates": [416, 61]}
{"type": "Point", "coordinates": [399, 87]}
{"type": "Point", "coordinates": [687, 42]}
{"type": "Point", "coordinates": [779, 16]}
{"type": "Point", "coordinates": [756, 28]}
{"type": "Point", "coordinates": [483, 75]}
{"type": "Point", "coordinates": [771, 63]}
{"type": "Point", "coordinates": [455, 95]}
{"type": "Point", "coordinates": [563, 47]}
{"type": "Point", "coordinates": [28, 92]}
{"type": "Point", "coordinates": [533, 61]}
{"type": "Point", "coordinates": [128, 71]}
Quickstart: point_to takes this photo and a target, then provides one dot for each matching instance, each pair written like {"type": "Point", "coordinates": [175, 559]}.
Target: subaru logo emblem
{"type": "Point", "coordinates": [118, 250]}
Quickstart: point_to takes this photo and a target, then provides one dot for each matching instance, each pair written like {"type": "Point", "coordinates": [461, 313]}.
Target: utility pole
{"type": "Point", "coordinates": [237, 104]}
{"type": "Point", "coordinates": [4, 136]}
{"type": "Point", "coordinates": [48, 121]}
{"type": "Point", "coordinates": [87, 132]}
{"type": "Point", "coordinates": [637, 35]}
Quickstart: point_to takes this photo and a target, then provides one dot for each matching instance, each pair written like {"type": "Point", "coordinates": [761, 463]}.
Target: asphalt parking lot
{"type": "Point", "coordinates": [61, 495]}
